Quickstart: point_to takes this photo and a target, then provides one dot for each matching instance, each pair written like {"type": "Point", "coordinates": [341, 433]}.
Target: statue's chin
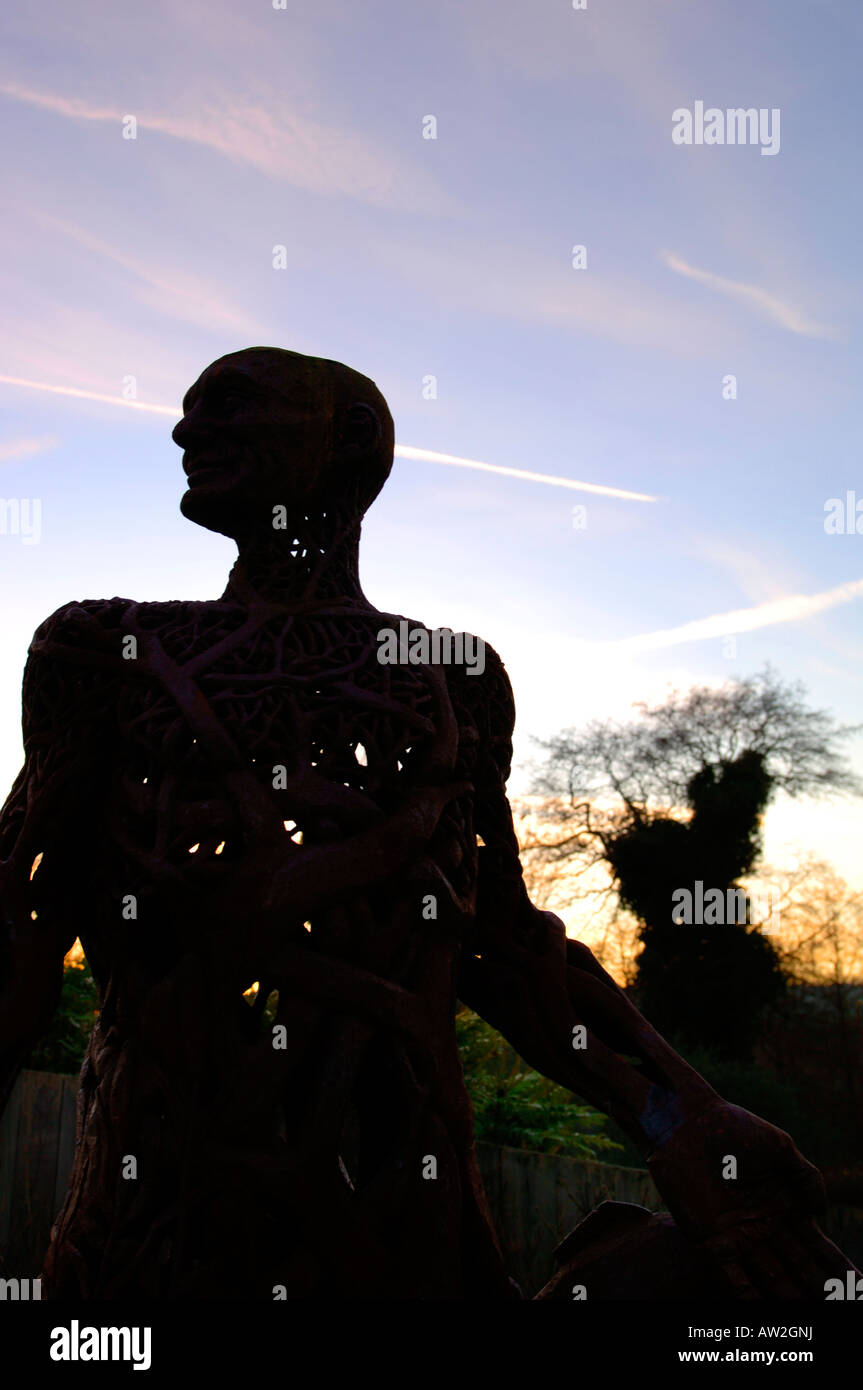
{"type": "Point", "coordinates": [214, 513]}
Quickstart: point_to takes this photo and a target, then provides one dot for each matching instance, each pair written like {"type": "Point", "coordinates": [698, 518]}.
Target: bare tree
{"type": "Point", "coordinates": [610, 772]}
{"type": "Point", "coordinates": [677, 796]}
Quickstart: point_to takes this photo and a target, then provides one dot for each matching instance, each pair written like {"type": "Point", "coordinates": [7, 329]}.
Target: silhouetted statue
{"type": "Point", "coordinates": [241, 791]}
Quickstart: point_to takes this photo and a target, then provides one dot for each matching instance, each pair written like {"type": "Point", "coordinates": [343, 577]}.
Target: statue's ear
{"type": "Point", "coordinates": [358, 430]}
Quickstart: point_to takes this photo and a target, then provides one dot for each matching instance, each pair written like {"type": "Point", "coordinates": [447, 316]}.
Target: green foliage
{"type": "Point", "coordinates": [517, 1106]}
{"type": "Point", "coordinates": [752, 1085]}
{"type": "Point", "coordinates": [803, 1095]}
{"type": "Point", "coordinates": [708, 986]}
{"type": "Point", "coordinates": [271, 1008]}
{"type": "Point", "coordinates": [775, 1096]}
{"type": "Point", "coordinates": [62, 1048]}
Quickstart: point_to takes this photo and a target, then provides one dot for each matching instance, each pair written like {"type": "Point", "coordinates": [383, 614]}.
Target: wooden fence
{"type": "Point", "coordinates": [535, 1199]}
{"type": "Point", "coordinates": [37, 1145]}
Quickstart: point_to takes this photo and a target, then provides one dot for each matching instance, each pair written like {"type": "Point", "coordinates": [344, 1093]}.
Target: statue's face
{"type": "Point", "coordinates": [255, 434]}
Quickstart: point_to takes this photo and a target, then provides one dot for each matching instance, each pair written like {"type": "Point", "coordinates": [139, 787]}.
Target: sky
{"type": "Point", "coordinates": [401, 187]}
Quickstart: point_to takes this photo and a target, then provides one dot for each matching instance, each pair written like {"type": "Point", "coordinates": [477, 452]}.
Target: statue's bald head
{"type": "Point", "coordinates": [266, 427]}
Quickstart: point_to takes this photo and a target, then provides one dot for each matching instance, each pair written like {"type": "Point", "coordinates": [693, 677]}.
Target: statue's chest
{"type": "Point", "coordinates": [212, 692]}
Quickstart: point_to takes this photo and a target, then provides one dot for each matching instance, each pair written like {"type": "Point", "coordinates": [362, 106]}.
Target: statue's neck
{"type": "Point", "coordinates": [317, 559]}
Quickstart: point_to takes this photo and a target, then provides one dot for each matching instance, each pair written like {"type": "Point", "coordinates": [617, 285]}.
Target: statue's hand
{"type": "Point", "coordinates": [742, 1192]}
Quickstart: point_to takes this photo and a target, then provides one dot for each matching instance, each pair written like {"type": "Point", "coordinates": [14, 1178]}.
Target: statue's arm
{"type": "Point", "coordinates": [547, 994]}
{"type": "Point", "coordinates": [46, 814]}
{"type": "Point", "coordinates": [567, 1018]}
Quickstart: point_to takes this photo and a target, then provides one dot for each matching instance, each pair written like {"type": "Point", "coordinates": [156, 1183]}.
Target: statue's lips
{"type": "Point", "coordinates": [199, 474]}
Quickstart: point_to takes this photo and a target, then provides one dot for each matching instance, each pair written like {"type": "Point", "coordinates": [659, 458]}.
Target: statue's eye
{"type": "Point", "coordinates": [233, 400]}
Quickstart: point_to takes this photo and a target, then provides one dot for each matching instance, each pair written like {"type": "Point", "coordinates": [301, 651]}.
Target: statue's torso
{"type": "Point", "coordinates": [323, 1142]}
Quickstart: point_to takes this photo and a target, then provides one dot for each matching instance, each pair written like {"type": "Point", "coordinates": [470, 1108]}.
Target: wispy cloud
{"type": "Point", "coordinates": [502, 280]}
{"type": "Point", "coordinates": [793, 608]}
{"type": "Point", "coordinates": [174, 293]}
{"type": "Point", "coordinates": [25, 448]}
{"type": "Point", "coordinates": [282, 143]}
{"type": "Point", "coordinates": [786, 315]}
{"type": "Point", "coordinates": [405, 451]}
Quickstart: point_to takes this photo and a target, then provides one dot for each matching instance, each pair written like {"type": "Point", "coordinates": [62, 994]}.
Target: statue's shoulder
{"type": "Point", "coordinates": [79, 657]}
{"type": "Point", "coordinates": [81, 623]}
{"type": "Point", "coordinates": [484, 681]}
{"type": "Point", "coordinates": [96, 623]}
{"type": "Point", "coordinates": [475, 674]}
{"type": "Point", "coordinates": [73, 666]}
{"type": "Point", "coordinates": [482, 695]}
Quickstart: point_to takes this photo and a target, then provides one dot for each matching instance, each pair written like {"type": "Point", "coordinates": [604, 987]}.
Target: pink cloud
{"type": "Point", "coordinates": [281, 143]}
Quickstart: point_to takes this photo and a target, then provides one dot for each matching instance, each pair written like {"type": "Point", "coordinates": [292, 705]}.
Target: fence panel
{"type": "Point", "coordinates": [37, 1142]}
{"type": "Point", "coordinates": [536, 1199]}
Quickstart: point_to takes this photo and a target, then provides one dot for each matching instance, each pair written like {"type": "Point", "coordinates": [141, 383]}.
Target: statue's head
{"type": "Point", "coordinates": [265, 427]}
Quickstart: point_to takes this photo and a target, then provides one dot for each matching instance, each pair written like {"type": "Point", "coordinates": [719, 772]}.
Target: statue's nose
{"type": "Point", "coordinates": [187, 430]}
{"type": "Point", "coordinates": [179, 433]}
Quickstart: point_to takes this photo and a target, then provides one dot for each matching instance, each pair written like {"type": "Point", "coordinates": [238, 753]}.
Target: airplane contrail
{"type": "Point", "coordinates": [405, 451]}
{"type": "Point", "coordinates": [91, 396]}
